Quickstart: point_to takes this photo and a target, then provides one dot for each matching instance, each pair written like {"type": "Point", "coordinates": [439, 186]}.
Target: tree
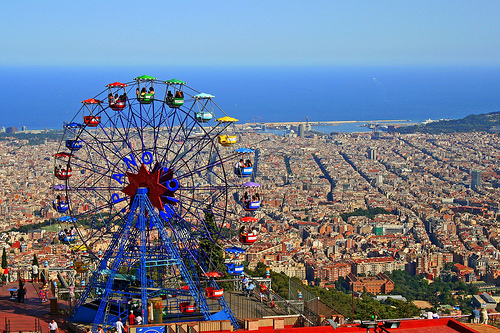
{"type": "Point", "coordinates": [211, 244]}
{"type": "Point", "coordinates": [4, 259]}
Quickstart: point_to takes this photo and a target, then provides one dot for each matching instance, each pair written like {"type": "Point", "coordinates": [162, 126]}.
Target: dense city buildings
{"type": "Point", "coordinates": [347, 204]}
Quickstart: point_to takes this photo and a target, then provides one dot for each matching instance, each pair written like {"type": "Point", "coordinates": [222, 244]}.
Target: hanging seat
{"type": "Point", "coordinates": [234, 269]}
{"type": "Point", "coordinates": [227, 140]}
{"type": "Point", "coordinates": [211, 292]}
{"type": "Point", "coordinates": [91, 121]}
{"type": "Point", "coordinates": [251, 206]}
{"type": "Point", "coordinates": [248, 238]}
{"type": "Point", "coordinates": [203, 116]}
{"type": "Point", "coordinates": [243, 172]}
{"type": "Point", "coordinates": [185, 307]}
{"type": "Point", "coordinates": [74, 145]}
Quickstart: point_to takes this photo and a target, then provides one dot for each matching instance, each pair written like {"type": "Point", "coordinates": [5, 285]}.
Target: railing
{"type": "Point", "coordinates": [21, 325]}
{"type": "Point", "coordinates": [282, 305]}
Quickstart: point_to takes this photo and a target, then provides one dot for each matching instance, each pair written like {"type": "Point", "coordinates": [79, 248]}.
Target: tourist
{"type": "Point", "coordinates": [100, 330]}
{"type": "Point", "coordinates": [119, 326]}
{"type": "Point", "coordinates": [34, 273]}
{"type": "Point", "coordinates": [138, 320]}
{"type": "Point", "coordinates": [484, 316]}
{"type": "Point", "coordinates": [263, 290]}
{"type": "Point", "coordinates": [476, 316]}
{"type": "Point", "coordinates": [131, 318]}
{"type": "Point", "coordinates": [53, 326]}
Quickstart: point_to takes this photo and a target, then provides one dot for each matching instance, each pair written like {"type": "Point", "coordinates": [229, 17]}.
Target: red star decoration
{"type": "Point", "coordinates": [151, 181]}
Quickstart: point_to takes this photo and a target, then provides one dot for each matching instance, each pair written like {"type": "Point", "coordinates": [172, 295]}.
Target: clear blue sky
{"type": "Point", "coordinates": [234, 32]}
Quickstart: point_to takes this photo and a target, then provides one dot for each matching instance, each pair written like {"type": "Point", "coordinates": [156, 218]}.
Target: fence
{"type": "Point", "coordinates": [20, 325]}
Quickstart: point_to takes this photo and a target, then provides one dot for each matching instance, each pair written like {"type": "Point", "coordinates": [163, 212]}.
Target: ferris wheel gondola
{"type": "Point", "coordinates": [115, 102]}
{"type": "Point", "coordinates": [251, 202]}
{"type": "Point", "coordinates": [175, 99]}
{"type": "Point", "coordinates": [227, 139]}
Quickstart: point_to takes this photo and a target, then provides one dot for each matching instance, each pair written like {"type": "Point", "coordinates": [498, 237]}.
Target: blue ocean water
{"type": "Point", "coordinates": [41, 97]}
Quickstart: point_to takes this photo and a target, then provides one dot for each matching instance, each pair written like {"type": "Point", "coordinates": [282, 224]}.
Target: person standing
{"type": "Point", "coordinates": [138, 320]}
{"type": "Point", "coordinates": [53, 326]}
{"type": "Point", "coordinates": [484, 316]}
{"type": "Point", "coordinates": [119, 326]}
{"type": "Point", "coordinates": [263, 291]}
{"type": "Point", "coordinates": [475, 314]}
{"type": "Point", "coordinates": [34, 273]}
{"type": "Point", "coordinates": [131, 318]}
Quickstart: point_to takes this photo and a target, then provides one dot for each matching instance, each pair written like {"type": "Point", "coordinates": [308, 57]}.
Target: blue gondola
{"type": "Point", "coordinates": [251, 206]}
{"type": "Point", "coordinates": [60, 205]}
{"type": "Point", "coordinates": [74, 145]}
{"type": "Point", "coordinates": [73, 125]}
{"type": "Point", "coordinates": [243, 172]}
{"type": "Point", "coordinates": [235, 250]}
{"type": "Point", "coordinates": [203, 116]}
{"type": "Point", "coordinates": [234, 269]}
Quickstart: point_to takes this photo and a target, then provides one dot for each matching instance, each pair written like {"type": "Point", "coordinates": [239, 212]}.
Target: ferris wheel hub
{"type": "Point", "coordinates": [142, 190]}
{"type": "Point", "coordinates": [148, 181]}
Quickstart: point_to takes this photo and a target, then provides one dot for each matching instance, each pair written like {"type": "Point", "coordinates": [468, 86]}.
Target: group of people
{"type": "Point", "coordinates": [67, 235]}
{"type": "Point", "coordinates": [141, 94]}
{"type": "Point", "coordinates": [112, 100]}
{"type": "Point", "coordinates": [243, 231]}
{"type": "Point", "coordinates": [247, 201]}
{"type": "Point", "coordinates": [178, 94]}
{"type": "Point", "coordinates": [248, 288]}
{"type": "Point", "coordinates": [479, 317]}
{"type": "Point", "coordinates": [243, 164]}
{"type": "Point", "coordinates": [60, 204]}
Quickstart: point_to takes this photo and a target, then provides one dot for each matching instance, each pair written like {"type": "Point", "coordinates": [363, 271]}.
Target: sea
{"type": "Point", "coordinates": [45, 97]}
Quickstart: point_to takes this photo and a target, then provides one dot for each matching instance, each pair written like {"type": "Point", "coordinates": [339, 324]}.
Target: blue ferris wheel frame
{"type": "Point", "coordinates": [147, 146]}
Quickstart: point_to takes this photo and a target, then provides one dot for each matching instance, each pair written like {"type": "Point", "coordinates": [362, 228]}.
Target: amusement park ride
{"type": "Point", "coordinates": [144, 174]}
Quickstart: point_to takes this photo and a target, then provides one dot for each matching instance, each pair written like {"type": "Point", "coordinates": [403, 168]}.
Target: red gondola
{"type": "Point", "coordinates": [186, 307]}
{"type": "Point", "coordinates": [214, 274]}
{"type": "Point", "coordinates": [92, 101]}
{"type": "Point", "coordinates": [117, 104]}
{"type": "Point", "coordinates": [211, 292]}
{"type": "Point", "coordinates": [249, 219]}
{"type": "Point", "coordinates": [91, 121]}
{"type": "Point", "coordinates": [62, 174]}
{"type": "Point", "coordinates": [248, 238]}
{"type": "Point", "coordinates": [63, 154]}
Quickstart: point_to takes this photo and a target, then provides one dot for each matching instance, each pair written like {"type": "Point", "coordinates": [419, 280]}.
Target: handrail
{"type": "Point", "coordinates": [281, 300]}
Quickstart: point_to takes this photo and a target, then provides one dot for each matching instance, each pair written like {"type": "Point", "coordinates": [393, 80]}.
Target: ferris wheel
{"type": "Point", "coordinates": [142, 169]}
